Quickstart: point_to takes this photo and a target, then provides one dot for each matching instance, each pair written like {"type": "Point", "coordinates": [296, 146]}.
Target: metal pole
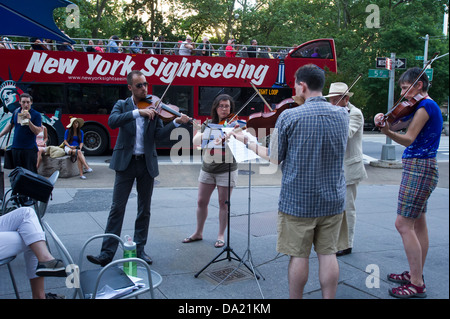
{"type": "Point", "coordinates": [425, 51]}
{"type": "Point", "coordinates": [388, 150]}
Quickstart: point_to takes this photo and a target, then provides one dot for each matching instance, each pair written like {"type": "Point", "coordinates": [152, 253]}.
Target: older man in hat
{"type": "Point", "coordinates": [353, 162]}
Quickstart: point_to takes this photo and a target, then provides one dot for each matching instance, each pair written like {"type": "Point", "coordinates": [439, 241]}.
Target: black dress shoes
{"type": "Point", "coordinates": [99, 260]}
{"type": "Point", "coordinates": [344, 252]}
{"type": "Point", "coordinates": [145, 258]}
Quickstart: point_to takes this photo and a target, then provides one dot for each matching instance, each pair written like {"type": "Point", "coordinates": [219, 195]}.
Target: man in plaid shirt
{"type": "Point", "coordinates": [309, 141]}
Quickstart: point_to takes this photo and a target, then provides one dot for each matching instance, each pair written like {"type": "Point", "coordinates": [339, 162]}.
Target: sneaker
{"type": "Point", "coordinates": [51, 268]}
{"type": "Point", "coordinates": [49, 295]}
{"type": "Point", "coordinates": [89, 170]}
{"type": "Point", "coordinates": [83, 177]}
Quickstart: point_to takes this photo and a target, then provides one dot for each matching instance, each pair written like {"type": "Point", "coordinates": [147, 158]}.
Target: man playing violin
{"type": "Point", "coordinates": [310, 141]}
{"type": "Point", "coordinates": [353, 163]}
{"type": "Point", "coordinates": [134, 158]}
{"type": "Point", "coordinates": [419, 179]}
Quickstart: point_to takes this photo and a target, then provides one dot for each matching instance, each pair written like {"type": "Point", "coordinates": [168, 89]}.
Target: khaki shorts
{"type": "Point", "coordinates": [220, 179]}
{"type": "Point", "coordinates": [296, 235]}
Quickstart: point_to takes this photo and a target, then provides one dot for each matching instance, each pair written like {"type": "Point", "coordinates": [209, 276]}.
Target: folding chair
{"type": "Point", "coordinates": [88, 282]}
{"type": "Point", "coordinates": [39, 207]}
{"type": "Point", "coordinates": [6, 261]}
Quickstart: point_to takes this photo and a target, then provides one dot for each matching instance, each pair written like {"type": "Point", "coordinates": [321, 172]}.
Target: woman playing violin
{"type": "Point", "coordinates": [419, 179]}
{"type": "Point", "coordinates": [215, 172]}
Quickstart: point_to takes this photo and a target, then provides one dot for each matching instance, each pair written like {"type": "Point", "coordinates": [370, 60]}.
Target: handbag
{"type": "Point", "coordinates": [28, 183]}
{"type": "Point", "coordinates": [9, 160]}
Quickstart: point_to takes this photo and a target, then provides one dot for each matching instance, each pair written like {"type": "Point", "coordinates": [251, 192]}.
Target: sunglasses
{"type": "Point", "coordinates": [140, 85]}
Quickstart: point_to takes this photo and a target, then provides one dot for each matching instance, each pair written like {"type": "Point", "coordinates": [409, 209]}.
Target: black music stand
{"type": "Point", "coordinates": [227, 249]}
{"type": "Point", "coordinates": [248, 253]}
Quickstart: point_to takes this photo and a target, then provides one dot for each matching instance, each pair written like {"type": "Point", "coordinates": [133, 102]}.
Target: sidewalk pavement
{"type": "Point", "coordinates": [79, 210]}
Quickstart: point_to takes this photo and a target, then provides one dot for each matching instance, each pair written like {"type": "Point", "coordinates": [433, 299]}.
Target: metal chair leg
{"type": "Point", "coordinates": [13, 281]}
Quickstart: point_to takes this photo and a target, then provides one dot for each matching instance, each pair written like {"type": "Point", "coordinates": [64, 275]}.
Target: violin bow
{"type": "Point", "coordinates": [435, 56]}
{"type": "Point", "coordinates": [168, 86]}
{"type": "Point", "coordinates": [245, 104]}
{"type": "Point", "coordinates": [349, 88]}
{"type": "Point", "coordinates": [262, 98]}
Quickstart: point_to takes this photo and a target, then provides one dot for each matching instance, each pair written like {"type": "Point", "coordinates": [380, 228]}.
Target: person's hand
{"type": "Point", "coordinates": [196, 125]}
{"type": "Point", "coordinates": [379, 120]}
{"type": "Point", "coordinates": [26, 114]}
{"type": "Point", "coordinates": [381, 123]}
{"type": "Point", "coordinates": [182, 119]}
{"type": "Point", "coordinates": [240, 136]}
{"type": "Point", "coordinates": [150, 113]}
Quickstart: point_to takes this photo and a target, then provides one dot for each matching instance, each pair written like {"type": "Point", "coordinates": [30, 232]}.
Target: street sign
{"type": "Point", "coordinates": [429, 73]}
{"type": "Point", "coordinates": [379, 73]}
{"type": "Point", "coordinates": [419, 57]}
{"type": "Point", "coordinates": [388, 64]}
{"type": "Point", "coordinates": [400, 63]}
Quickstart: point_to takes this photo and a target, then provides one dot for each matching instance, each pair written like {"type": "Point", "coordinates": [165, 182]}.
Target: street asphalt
{"type": "Point", "coordinates": [79, 209]}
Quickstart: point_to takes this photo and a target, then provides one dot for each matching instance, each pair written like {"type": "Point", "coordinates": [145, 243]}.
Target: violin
{"type": "Point", "coordinates": [403, 109]}
{"type": "Point", "coordinates": [167, 112]}
{"type": "Point", "coordinates": [229, 119]}
{"type": "Point", "coordinates": [267, 120]}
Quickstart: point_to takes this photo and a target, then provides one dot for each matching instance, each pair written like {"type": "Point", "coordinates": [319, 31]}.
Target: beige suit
{"type": "Point", "coordinates": [353, 166]}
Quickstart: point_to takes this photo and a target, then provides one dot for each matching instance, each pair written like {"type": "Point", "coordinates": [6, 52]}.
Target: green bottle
{"type": "Point", "coordinates": [129, 251]}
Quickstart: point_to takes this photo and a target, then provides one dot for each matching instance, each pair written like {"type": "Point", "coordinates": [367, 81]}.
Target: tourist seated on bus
{"type": "Point", "coordinates": [113, 45]}
{"type": "Point", "coordinates": [186, 47]}
{"type": "Point", "coordinates": [73, 144]}
{"type": "Point", "coordinates": [64, 45]}
{"type": "Point", "coordinates": [316, 53]}
{"type": "Point", "coordinates": [136, 44]}
{"type": "Point", "coordinates": [6, 43]}
{"type": "Point", "coordinates": [157, 46]}
{"type": "Point", "coordinates": [230, 50]}
{"type": "Point", "coordinates": [38, 44]}
{"type": "Point", "coordinates": [90, 47]}
{"type": "Point", "coordinates": [99, 47]}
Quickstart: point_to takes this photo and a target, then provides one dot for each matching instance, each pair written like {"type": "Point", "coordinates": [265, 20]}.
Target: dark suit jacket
{"type": "Point", "coordinates": [122, 117]}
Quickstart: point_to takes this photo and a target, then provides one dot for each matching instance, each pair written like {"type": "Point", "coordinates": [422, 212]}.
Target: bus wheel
{"type": "Point", "coordinates": [95, 140]}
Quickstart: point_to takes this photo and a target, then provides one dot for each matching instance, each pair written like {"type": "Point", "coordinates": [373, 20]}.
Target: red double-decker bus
{"type": "Point", "coordinates": [87, 85]}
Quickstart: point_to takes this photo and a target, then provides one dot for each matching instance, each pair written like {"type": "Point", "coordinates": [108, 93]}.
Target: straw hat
{"type": "Point", "coordinates": [73, 119]}
{"type": "Point", "coordinates": [338, 88]}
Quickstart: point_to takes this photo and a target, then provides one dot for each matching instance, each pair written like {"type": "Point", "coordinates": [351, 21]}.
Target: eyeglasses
{"type": "Point", "coordinates": [224, 106]}
{"type": "Point", "coordinates": [140, 85]}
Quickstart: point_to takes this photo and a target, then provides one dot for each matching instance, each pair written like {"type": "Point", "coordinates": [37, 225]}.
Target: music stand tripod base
{"type": "Point", "coordinates": [227, 248]}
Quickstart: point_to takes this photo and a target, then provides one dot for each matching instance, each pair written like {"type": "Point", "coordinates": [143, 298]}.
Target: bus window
{"type": "Point", "coordinates": [93, 98]}
{"type": "Point", "coordinates": [241, 96]}
{"type": "Point", "coordinates": [180, 96]}
{"type": "Point", "coordinates": [208, 94]}
{"type": "Point", "coordinates": [47, 97]}
{"type": "Point", "coordinates": [318, 49]}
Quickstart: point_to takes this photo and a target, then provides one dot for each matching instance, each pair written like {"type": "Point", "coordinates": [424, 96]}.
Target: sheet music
{"type": "Point", "coordinates": [240, 152]}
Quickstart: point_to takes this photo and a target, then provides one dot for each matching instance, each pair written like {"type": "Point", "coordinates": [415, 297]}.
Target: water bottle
{"type": "Point", "coordinates": [129, 251]}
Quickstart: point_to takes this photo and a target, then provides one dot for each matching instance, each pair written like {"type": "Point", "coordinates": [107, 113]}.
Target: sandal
{"type": "Point", "coordinates": [219, 243]}
{"type": "Point", "coordinates": [402, 278]}
{"type": "Point", "coordinates": [408, 291]}
{"type": "Point", "coordinates": [188, 240]}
